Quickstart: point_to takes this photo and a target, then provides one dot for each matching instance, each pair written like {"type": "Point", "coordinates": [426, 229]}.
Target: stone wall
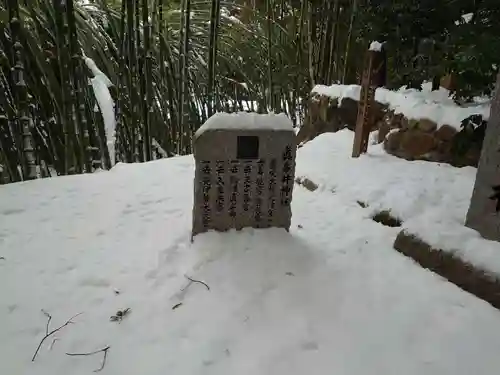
{"type": "Point", "coordinates": [406, 138]}
{"type": "Point", "coordinates": [326, 115]}
{"type": "Point", "coordinates": [424, 140]}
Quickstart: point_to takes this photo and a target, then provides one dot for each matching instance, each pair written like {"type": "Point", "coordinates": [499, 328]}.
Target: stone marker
{"type": "Point", "coordinates": [483, 214]}
{"type": "Point", "coordinates": [245, 171]}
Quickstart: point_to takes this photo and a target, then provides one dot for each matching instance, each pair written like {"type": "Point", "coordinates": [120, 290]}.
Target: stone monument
{"type": "Point", "coordinates": [484, 209]}
{"type": "Point", "coordinates": [245, 170]}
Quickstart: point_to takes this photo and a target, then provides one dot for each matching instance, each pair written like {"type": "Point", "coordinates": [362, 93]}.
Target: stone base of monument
{"type": "Point", "coordinates": [461, 273]}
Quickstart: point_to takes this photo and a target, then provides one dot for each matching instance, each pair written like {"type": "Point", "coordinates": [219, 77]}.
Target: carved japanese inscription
{"type": "Point", "coordinates": [243, 178]}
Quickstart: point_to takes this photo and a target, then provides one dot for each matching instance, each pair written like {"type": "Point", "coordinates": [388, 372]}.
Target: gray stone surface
{"type": "Point", "coordinates": [232, 190]}
{"type": "Point", "coordinates": [483, 215]}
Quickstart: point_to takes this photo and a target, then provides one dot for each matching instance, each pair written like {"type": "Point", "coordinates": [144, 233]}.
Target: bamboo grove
{"type": "Point", "coordinates": [166, 66]}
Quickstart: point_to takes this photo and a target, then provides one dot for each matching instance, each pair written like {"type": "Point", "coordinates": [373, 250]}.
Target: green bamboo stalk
{"type": "Point", "coordinates": [184, 99]}
{"type": "Point", "coordinates": [146, 90]}
{"type": "Point", "coordinates": [6, 148]}
{"type": "Point", "coordinates": [131, 74]}
{"type": "Point", "coordinates": [161, 67]}
{"type": "Point", "coordinates": [123, 150]}
{"type": "Point", "coordinates": [78, 110]}
{"type": "Point", "coordinates": [172, 88]}
{"type": "Point", "coordinates": [310, 31]}
{"type": "Point", "coordinates": [140, 82]}
{"type": "Point", "coordinates": [354, 9]}
{"type": "Point", "coordinates": [269, 19]}
{"type": "Point", "coordinates": [333, 65]}
{"type": "Point", "coordinates": [63, 116]}
{"type": "Point", "coordinates": [23, 119]}
{"type": "Point", "coordinates": [325, 31]}
{"type": "Point", "coordinates": [212, 58]}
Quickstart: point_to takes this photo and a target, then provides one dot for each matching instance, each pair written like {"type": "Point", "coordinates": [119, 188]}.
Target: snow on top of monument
{"type": "Point", "coordinates": [375, 46]}
{"type": "Point", "coordinates": [437, 106]}
{"type": "Point", "coordinates": [246, 121]}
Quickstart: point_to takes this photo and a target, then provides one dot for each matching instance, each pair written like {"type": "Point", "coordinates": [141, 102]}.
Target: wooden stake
{"type": "Point", "coordinates": [373, 77]}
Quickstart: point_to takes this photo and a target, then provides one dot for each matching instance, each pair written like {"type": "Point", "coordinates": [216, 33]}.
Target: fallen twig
{"type": "Point", "coordinates": [177, 305]}
{"type": "Point", "coordinates": [53, 342]}
{"type": "Point", "coordinates": [69, 321]}
{"type": "Point", "coordinates": [195, 281]}
{"type": "Point", "coordinates": [103, 360]}
{"type": "Point", "coordinates": [48, 321]}
{"type": "Point", "coordinates": [105, 350]}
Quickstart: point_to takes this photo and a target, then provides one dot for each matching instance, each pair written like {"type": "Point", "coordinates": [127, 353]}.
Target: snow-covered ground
{"type": "Point", "coordinates": [330, 297]}
{"type": "Point", "coordinates": [431, 199]}
{"type": "Point", "coordinates": [437, 106]}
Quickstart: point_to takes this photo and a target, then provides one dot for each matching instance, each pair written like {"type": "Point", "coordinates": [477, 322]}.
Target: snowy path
{"type": "Point", "coordinates": [331, 297]}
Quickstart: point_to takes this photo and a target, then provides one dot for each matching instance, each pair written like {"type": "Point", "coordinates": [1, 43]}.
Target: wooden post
{"type": "Point", "coordinates": [484, 209]}
{"type": "Point", "coordinates": [374, 76]}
